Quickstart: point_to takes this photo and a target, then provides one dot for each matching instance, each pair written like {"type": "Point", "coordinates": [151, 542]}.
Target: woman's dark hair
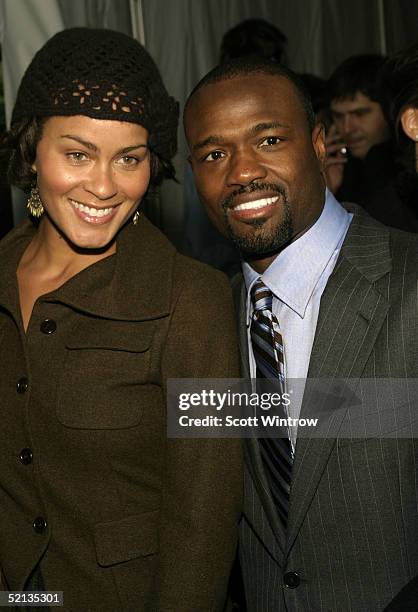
{"type": "Point", "coordinates": [18, 152]}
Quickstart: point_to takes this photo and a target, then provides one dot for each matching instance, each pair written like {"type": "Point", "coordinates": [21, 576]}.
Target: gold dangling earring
{"type": "Point", "coordinates": [136, 217]}
{"type": "Point", "coordinates": [34, 204]}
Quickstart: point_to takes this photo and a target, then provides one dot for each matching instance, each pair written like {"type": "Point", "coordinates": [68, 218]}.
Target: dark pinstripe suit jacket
{"type": "Point", "coordinates": [352, 533]}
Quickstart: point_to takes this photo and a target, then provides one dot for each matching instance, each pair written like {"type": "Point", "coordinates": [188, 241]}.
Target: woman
{"type": "Point", "coordinates": [96, 313]}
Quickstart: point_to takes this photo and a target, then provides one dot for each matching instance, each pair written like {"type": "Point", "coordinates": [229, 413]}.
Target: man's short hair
{"type": "Point", "coordinates": [251, 64]}
{"type": "Point", "coordinates": [359, 73]}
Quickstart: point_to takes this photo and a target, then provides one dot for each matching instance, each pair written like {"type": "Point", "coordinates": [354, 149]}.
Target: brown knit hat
{"type": "Point", "coordinates": [105, 75]}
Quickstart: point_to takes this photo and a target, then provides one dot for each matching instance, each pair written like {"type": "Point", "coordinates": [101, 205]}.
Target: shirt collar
{"type": "Point", "coordinates": [295, 272]}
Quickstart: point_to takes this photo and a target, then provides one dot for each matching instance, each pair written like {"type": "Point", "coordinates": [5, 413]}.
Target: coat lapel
{"type": "Point", "coordinates": [351, 315]}
{"type": "Point", "coordinates": [118, 291]}
{"type": "Point", "coordinates": [240, 301]}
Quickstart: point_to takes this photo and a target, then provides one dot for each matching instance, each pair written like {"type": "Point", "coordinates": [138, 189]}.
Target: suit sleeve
{"type": "Point", "coordinates": [202, 494]}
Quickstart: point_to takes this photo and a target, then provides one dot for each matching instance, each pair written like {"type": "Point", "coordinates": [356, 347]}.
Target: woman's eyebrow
{"type": "Point", "coordinates": [132, 148]}
{"type": "Point", "coordinates": [85, 143]}
{"type": "Point", "coordinates": [93, 147]}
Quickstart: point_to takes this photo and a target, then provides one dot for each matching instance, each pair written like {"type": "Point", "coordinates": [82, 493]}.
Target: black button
{"type": "Point", "coordinates": [48, 326]}
{"type": "Point", "coordinates": [22, 385]}
{"type": "Point", "coordinates": [39, 525]}
{"type": "Point", "coordinates": [291, 580]}
{"type": "Point", "coordinates": [26, 456]}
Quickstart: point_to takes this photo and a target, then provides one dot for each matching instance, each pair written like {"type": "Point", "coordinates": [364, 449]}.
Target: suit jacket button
{"type": "Point", "coordinates": [22, 385]}
{"type": "Point", "coordinates": [26, 456]}
{"type": "Point", "coordinates": [291, 580]}
{"type": "Point", "coordinates": [48, 326]}
{"type": "Point", "coordinates": [39, 524]}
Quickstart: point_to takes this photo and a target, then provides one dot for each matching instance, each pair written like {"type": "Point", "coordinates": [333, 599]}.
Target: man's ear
{"type": "Point", "coordinates": [318, 143]}
{"type": "Point", "coordinates": [409, 121]}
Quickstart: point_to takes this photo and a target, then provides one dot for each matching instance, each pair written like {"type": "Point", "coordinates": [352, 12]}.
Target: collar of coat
{"type": "Point", "coordinates": [135, 284]}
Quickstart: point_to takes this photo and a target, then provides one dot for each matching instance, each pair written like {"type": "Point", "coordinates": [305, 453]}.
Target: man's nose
{"type": "Point", "coordinates": [100, 181]}
{"type": "Point", "coordinates": [244, 169]}
{"type": "Point", "coordinates": [348, 125]}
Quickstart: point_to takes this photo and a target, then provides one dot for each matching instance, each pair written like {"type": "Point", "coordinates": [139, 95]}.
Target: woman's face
{"type": "Point", "coordinates": [92, 173]}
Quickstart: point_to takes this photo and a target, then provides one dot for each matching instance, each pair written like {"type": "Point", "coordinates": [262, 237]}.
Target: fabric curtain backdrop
{"type": "Point", "coordinates": [24, 30]}
{"type": "Point", "coordinates": [184, 36]}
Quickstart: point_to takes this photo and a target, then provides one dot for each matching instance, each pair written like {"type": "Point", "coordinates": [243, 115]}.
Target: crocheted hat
{"type": "Point", "coordinates": [102, 74]}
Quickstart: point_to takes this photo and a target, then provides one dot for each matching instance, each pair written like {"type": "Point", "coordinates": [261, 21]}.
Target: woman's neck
{"type": "Point", "coordinates": [50, 252]}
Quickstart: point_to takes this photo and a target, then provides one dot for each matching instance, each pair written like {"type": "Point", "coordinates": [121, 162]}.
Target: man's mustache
{"type": "Point", "coordinates": [272, 187]}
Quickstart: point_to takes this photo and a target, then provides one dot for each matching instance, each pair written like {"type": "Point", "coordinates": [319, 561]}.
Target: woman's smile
{"type": "Point", "coordinates": [91, 214]}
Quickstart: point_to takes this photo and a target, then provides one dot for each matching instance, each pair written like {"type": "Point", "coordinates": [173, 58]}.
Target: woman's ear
{"type": "Point", "coordinates": [409, 121]}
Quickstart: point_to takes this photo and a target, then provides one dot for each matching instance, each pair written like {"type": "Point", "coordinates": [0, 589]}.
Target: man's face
{"type": "Point", "coordinates": [257, 166]}
{"type": "Point", "coordinates": [360, 122]}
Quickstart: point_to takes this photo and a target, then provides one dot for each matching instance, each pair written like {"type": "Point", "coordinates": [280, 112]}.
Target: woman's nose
{"type": "Point", "coordinates": [100, 182]}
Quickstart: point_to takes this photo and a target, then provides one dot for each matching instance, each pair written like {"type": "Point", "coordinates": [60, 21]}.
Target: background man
{"type": "Point", "coordinates": [367, 174]}
{"type": "Point", "coordinates": [329, 523]}
{"type": "Point", "coordinates": [356, 104]}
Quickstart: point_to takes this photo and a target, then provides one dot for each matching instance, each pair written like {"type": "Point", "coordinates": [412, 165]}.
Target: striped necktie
{"type": "Point", "coordinates": [267, 344]}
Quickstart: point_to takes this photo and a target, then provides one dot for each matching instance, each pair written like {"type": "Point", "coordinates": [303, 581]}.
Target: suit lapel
{"type": "Point", "coordinates": [351, 315]}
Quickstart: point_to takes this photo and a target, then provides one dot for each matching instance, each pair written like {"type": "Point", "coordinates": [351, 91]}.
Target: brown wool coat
{"type": "Point", "coordinates": [134, 521]}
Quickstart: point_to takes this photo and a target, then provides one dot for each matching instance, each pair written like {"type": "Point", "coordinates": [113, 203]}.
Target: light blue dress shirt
{"type": "Point", "coordinates": [297, 277]}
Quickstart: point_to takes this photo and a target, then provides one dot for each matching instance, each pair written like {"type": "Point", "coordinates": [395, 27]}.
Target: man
{"type": "Point", "coordinates": [329, 523]}
{"type": "Point", "coordinates": [202, 240]}
{"type": "Point", "coordinates": [361, 165]}
{"type": "Point", "coordinates": [355, 104]}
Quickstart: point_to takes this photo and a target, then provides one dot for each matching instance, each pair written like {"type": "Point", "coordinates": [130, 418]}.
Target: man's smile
{"type": "Point", "coordinates": [255, 204]}
{"type": "Point", "coordinates": [253, 208]}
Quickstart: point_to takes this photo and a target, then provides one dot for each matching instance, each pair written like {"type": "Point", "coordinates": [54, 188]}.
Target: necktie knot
{"type": "Point", "coordinates": [261, 296]}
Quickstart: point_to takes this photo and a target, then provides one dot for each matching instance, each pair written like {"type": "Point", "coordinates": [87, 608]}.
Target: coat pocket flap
{"type": "Point", "coordinates": [111, 335]}
{"type": "Point", "coordinates": [132, 537]}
